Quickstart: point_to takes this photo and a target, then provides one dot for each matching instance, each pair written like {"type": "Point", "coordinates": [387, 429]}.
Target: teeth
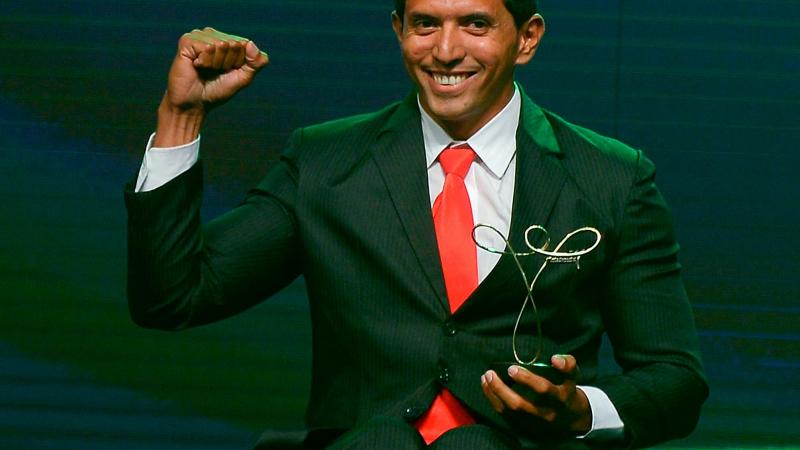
{"type": "Point", "coordinates": [449, 80]}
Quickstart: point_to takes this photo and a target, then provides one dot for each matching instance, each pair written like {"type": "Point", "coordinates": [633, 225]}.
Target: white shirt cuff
{"type": "Point", "coordinates": [163, 164]}
{"type": "Point", "coordinates": [606, 423]}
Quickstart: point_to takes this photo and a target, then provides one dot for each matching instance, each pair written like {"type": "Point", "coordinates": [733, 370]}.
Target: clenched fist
{"type": "Point", "coordinates": [209, 68]}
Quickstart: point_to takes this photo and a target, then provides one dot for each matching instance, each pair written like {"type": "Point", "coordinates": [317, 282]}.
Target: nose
{"type": "Point", "coordinates": [449, 49]}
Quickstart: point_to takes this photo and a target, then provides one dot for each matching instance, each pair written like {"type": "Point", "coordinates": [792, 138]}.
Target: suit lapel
{"type": "Point", "coordinates": [538, 184]}
{"type": "Point", "coordinates": [400, 157]}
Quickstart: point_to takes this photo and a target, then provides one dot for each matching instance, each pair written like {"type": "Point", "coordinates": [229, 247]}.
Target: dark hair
{"type": "Point", "coordinates": [522, 10]}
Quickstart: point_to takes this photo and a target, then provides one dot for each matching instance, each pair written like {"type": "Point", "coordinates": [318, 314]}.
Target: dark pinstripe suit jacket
{"type": "Point", "coordinates": [347, 206]}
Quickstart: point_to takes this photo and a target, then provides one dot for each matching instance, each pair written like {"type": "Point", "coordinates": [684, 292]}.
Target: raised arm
{"type": "Point", "coordinates": [182, 273]}
{"type": "Point", "coordinates": [209, 68]}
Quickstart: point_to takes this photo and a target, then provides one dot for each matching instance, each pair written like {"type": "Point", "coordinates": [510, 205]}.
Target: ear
{"type": "Point", "coordinates": [530, 34]}
{"type": "Point", "coordinates": [397, 25]}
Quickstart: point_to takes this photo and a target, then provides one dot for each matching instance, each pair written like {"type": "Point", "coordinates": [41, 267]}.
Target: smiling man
{"type": "Point", "coordinates": [377, 213]}
{"type": "Point", "coordinates": [462, 56]}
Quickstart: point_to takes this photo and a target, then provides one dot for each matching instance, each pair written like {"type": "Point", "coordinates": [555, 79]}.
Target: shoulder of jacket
{"type": "Point", "coordinates": [361, 124]}
{"type": "Point", "coordinates": [568, 134]}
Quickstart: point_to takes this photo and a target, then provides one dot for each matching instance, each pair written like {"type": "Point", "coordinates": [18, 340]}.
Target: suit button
{"type": "Point", "coordinates": [412, 413]}
{"type": "Point", "coordinates": [444, 375]}
{"type": "Point", "coordinates": [449, 328]}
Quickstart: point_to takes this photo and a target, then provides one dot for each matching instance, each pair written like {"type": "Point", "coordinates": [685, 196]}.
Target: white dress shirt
{"type": "Point", "coordinates": [490, 185]}
{"type": "Point", "coordinates": [490, 179]}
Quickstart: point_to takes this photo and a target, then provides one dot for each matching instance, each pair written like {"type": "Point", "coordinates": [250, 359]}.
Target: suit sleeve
{"type": "Point", "coordinates": [182, 273]}
{"type": "Point", "coordinates": [650, 322]}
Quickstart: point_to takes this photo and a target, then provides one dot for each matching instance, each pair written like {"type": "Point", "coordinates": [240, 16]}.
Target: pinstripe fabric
{"type": "Point", "coordinates": [384, 340]}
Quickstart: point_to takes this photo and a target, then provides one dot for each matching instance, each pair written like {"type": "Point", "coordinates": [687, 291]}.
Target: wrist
{"type": "Point", "coordinates": [177, 126]}
{"type": "Point", "coordinates": [583, 420]}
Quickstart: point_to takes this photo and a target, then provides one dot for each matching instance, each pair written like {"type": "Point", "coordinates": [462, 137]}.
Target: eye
{"type": "Point", "coordinates": [478, 26]}
{"type": "Point", "coordinates": [423, 25]}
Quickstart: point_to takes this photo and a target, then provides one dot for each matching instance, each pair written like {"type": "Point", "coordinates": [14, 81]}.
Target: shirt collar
{"type": "Point", "coordinates": [495, 143]}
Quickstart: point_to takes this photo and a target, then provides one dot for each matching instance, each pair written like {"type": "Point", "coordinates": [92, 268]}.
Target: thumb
{"type": "Point", "coordinates": [255, 59]}
{"type": "Point", "coordinates": [565, 363]}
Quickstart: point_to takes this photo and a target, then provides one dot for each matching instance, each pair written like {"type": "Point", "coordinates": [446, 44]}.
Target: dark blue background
{"type": "Point", "coordinates": [709, 89]}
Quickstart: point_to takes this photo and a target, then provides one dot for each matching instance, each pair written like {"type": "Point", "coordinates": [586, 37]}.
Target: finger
{"type": "Point", "coordinates": [192, 46]}
{"type": "Point", "coordinates": [494, 400]}
{"type": "Point", "coordinates": [546, 413]}
{"type": "Point", "coordinates": [208, 31]}
{"type": "Point", "coordinates": [205, 56]}
{"type": "Point", "coordinates": [220, 53]}
{"type": "Point", "coordinates": [219, 35]}
{"type": "Point", "coordinates": [241, 55]}
{"type": "Point", "coordinates": [569, 365]}
{"type": "Point", "coordinates": [205, 50]}
{"type": "Point", "coordinates": [255, 59]}
{"type": "Point", "coordinates": [234, 57]}
{"type": "Point", "coordinates": [205, 35]}
{"type": "Point", "coordinates": [565, 363]}
{"type": "Point", "coordinates": [214, 54]}
{"type": "Point", "coordinates": [538, 384]}
{"type": "Point", "coordinates": [514, 402]}
{"type": "Point", "coordinates": [510, 399]}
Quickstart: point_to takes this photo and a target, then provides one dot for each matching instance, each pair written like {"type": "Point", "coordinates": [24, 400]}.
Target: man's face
{"type": "Point", "coordinates": [461, 54]}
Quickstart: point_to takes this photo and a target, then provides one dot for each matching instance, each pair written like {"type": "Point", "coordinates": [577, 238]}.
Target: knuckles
{"type": "Point", "coordinates": [549, 416]}
{"type": "Point", "coordinates": [515, 404]}
{"type": "Point", "coordinates": [519, 404]}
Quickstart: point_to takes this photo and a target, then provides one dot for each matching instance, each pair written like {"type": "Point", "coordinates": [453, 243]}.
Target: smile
{"type": "Point", "coordinates": [449, 80]}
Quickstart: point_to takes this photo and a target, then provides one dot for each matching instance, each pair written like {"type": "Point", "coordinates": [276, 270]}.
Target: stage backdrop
{"type": "Point", "coordinates": [709, 89]}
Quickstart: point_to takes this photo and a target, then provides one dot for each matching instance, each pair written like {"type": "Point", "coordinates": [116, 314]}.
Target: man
{"type": "Point", "coordinates": [408, 315]}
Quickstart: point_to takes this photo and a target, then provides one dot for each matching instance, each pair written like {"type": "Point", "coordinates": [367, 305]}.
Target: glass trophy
{"type": "Point", "coordinates": [556, 256]}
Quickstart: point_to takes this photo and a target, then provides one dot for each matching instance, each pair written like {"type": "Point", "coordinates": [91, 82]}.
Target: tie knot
{"type": "Point", "coordinates": [456, 159]}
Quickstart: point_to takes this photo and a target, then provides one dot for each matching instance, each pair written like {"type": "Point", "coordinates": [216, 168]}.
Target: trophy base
{"type": "Point", "coordinates": [541, 369]}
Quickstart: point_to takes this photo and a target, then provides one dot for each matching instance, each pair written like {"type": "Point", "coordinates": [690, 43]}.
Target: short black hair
{"type": "Point", "coordinates": [522, 10]}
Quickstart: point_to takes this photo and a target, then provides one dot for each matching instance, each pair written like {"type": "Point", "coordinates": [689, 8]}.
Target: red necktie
{"type": "Point", "coordinates": [452, 219]}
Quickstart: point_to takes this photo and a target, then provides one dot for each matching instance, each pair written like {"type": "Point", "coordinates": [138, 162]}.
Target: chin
{"type": "Point", "coordinates": [453, 116]}
{"type": "Point", "coordinates": [449, 110]}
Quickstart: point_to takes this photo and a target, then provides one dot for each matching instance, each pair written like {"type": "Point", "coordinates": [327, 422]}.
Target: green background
{"type": "Point", "coordinates": [709, 89]}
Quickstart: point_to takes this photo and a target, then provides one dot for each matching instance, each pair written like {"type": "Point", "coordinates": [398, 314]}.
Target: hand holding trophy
{"type": "Point", "coordinates": [532, 388]}
{"type": "Point", "coordinates": [557, 255]}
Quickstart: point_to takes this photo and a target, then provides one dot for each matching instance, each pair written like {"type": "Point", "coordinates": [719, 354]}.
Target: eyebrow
{"type": "Point", "coordinates": [415, 17]}
{"type": "Point", "coordinates": [486, 17]}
